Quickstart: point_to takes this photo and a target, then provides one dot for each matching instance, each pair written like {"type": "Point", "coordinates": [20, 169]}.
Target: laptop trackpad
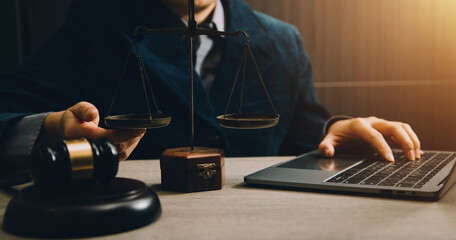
{"type": "Point", "coordinates": [315, 161]}
{"type": "Point", "coordinates": [304, 171]}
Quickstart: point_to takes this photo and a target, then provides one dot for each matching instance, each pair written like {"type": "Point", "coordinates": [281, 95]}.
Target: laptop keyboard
{"type": "Point", "coordinates": [401, 173]}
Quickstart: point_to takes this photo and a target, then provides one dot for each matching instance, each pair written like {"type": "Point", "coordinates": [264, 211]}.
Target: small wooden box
{"type": "Point", "coordinates": [185, 170]}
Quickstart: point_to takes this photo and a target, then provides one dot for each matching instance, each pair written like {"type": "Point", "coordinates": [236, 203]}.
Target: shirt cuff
{"type": "Point", "coordinates": [332, 120]}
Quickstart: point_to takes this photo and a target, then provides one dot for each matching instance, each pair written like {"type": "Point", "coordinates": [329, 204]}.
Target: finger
{"type": "Point", "coordinates": [401, 137]}
{"type": "Point", "coordinates": [414, 138]}
{"type": "Point", "coordinates": [374, 138]}
{"type": "Point", "coordinates": [86, 112]}
{"type": "Point", "coordinates": [326, 146]}
{"type": "Point", "coordinates": [120, 135]}
{"type": "Point", "coordinates": [121, 152]}
{"type": "Point", "coordinates": [90, 131]}
{"type": "Point", "coordinates": [86, 130]}
{"type": "Point", "coordinates": [394, 140]}
{"type": "Point", "coordinates": [124, 149]}
{"type": "Point", "coordinates": [122, 156]}
{"type": "Point", "coordinates": [131, 147]}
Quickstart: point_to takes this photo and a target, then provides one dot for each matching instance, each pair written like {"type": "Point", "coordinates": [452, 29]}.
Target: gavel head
{"type": "Point", "coordinates": [74, 162]}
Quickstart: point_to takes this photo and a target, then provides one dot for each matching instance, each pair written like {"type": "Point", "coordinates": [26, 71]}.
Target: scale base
{"type": "Point", "coordinates": [123, 205]}
{"type": "Point", "coordinates": [187, 170]}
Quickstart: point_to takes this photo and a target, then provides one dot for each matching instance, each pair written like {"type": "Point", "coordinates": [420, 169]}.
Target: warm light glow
{"type": "Point", "coordinates": [395, 59]}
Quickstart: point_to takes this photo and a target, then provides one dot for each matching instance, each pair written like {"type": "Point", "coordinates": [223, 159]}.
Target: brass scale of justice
{"type": "Point", "coordinates": [239, 120]}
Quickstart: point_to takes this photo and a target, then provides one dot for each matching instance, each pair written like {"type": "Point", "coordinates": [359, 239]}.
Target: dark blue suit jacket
{"type": "Point", "coordinates": [85, 58]}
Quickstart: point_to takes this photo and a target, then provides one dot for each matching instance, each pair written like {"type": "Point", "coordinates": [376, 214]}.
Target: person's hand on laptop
{"type": "Point", "coordinates": [353, 132]}
{"type": "Point", "coordinates": [81, 120]}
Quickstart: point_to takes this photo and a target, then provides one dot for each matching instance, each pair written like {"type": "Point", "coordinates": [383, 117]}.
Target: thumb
{"type": "Point", "coordinates": [86, 112]}
{"type": "Point", "coordinates": [326, 146]}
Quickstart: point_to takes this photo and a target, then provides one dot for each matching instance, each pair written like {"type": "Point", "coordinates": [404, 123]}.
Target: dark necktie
{"type": "Point", "coordinates": [211, 62]}
{"type": "Point", "coordinates": [197, 40]}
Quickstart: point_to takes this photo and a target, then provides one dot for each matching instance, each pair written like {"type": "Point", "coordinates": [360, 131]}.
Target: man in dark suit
{"type": "Point", "coordinates": [84, 60]}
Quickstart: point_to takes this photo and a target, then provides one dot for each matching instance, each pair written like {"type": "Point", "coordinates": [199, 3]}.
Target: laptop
{"type": "Point", "coordinates": [427, 178]}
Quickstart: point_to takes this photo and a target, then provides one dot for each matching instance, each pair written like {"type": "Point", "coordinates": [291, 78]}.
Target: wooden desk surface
{"type": "Point", "coordinates": [241, 212]}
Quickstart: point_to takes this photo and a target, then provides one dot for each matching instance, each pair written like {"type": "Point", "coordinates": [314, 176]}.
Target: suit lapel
{"type": "Point", "coordinates": [241, 17]}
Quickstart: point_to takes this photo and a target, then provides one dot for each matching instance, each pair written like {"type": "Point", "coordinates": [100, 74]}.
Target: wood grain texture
{"type": "Point", "coordinates": [183, 170]}
{"type": "Point", "coordinates": [391, 58]}
{"type": "Point", "coordinates": [242, 212]}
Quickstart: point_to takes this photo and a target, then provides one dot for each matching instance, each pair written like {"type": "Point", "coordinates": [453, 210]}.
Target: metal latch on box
{"type": "Point", "coordinates": [206, 170]}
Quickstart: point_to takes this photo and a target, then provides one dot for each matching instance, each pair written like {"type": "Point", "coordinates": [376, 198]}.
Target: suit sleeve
{"type": "Point", "coordinates": [51, 79]}
{"type": "Point", "coordinates": [309, 116]}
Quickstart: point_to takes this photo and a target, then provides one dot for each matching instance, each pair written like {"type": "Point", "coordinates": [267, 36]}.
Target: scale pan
{"type": "Point", "coordinates": [137, 121]}
{"type": "Point", "coordinates": [248, 120]}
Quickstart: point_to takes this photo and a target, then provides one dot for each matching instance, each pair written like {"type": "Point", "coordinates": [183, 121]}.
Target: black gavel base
{"type": "Point", "coordinates": [123, 205]}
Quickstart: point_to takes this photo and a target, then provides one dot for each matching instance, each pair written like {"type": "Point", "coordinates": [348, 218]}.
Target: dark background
{"type": "Point", "coordinates": [395, 59]}
{"type": "Point", "coordinates": [26, 25]}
